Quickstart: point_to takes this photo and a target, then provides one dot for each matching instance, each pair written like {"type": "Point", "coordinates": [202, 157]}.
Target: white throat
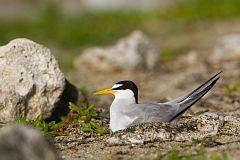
{"type": "Point", "coordinates": [120, 106]}
{"type": "Point", "coordinates": [126, 96]}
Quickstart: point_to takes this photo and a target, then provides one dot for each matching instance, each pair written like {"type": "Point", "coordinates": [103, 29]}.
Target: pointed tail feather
{"type": "Point", "coordinates": [180, 99]}
{"type": "Point", "coordinates": [195, 95]}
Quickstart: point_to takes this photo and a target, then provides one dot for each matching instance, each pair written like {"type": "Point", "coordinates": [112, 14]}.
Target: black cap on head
{"type": "Point", "coordinates": [127, 84]}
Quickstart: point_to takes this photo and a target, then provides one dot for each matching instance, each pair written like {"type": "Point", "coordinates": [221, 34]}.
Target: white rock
{"type": "Point", "coordinates": [23, 143]}
{"type": "Point", "coordinates": [132, 52]}
{"type": "Point", "coordinates": [31, 82]}
{"type": "Point", "coordinates": [227, 48]}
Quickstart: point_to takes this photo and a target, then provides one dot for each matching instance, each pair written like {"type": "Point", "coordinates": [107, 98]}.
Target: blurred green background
{"type": "Point", "coordinates": [68, 34]}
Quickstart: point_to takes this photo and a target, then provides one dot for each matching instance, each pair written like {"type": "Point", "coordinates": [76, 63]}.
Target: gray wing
{"type": "Point", "coordinates": [152, 112]}
{"type": "Point", "coordinates": [169, 111]}
{"type": "Point", "coordinates": [201, 87]}
{"type": "Point", "coordinates": [194, 96]}
{"type": "Point", "coordinates": [187, 100]}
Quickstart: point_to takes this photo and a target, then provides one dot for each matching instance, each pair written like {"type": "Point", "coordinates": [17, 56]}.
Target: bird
{"type": "Point", "coordinates": [126, 111]}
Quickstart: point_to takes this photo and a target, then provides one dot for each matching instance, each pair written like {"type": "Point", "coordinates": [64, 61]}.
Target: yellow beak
{"type": "Point", "coordinates": [105, 91]}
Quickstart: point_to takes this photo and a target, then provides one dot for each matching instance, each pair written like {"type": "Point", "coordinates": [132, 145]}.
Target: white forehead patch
{"type": "Point", "coordinates": [116, 86]}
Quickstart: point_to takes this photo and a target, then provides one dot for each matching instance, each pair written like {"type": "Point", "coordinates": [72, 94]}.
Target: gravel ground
{"type": "Point", "coordinates": [171, 79]}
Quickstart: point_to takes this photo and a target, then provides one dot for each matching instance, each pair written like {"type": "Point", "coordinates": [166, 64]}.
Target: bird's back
{"type": "Point", "coordinates": [152, 112]}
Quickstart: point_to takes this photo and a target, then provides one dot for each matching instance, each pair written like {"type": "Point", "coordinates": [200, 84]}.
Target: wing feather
{"type": "Point", "coordinates": [152, 112]}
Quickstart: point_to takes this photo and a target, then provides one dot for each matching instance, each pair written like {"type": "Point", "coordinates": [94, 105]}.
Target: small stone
{"type": "Point", "coordinates": [129, 53]}
{"type": "Point", "coordinates": [23, 143]}
{"type": "Point", "coordinates": [227, 48]}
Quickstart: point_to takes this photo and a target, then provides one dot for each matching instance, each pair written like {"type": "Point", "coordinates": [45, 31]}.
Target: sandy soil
{"type": "Point", "coordinates": [169, 80]}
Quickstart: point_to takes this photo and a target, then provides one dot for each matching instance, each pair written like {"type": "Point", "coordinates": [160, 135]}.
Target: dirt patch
{"type": "Point", "coordinates": [171, 79]}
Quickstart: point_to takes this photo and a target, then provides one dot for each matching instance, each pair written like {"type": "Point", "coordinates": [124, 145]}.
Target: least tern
{"type": "Point", "coordinates": [125, 111]}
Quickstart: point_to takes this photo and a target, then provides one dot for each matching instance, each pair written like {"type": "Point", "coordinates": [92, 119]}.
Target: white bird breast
{"type": "Point", "coordinates": [120, 106]}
